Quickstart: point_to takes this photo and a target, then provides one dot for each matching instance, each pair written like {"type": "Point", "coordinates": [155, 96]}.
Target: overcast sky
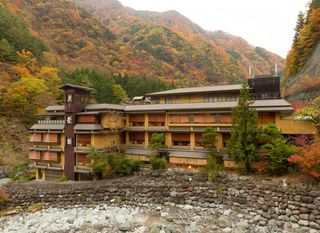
{"type": "Point", "coordinates": [268, 23]}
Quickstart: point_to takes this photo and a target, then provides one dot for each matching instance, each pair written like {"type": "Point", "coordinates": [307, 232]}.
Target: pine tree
{"type": "Point", "coordinates": [243, 142]}
{"type": "Point", "coordinates": [299, 26]}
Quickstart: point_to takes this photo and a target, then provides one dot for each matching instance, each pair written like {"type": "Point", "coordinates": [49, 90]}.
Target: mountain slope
{"type": "Point", "coordinates": [205, 55]}
{"type": "Point", "coordinates": [302, 79]}
{"type": "Point", "coordinates": [108, 37]}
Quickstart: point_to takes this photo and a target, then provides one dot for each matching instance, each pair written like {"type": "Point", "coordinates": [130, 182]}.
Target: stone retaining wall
{"type": "Point", "coordinates": [266, 199]}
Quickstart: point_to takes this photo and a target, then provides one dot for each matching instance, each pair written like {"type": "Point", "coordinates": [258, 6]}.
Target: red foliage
{"type": "Point", "coordinates": [308, 160]}
{"type": "Point", "coordinates": [3, 194]}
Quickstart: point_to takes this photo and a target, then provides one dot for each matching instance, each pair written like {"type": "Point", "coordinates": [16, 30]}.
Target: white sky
{"type": "Point", "coordinates": [268, 23]}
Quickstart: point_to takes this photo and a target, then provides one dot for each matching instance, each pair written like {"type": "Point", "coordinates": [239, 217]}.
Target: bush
{"type": "Point", "coordinates": [20, 173]}
{"type": "Point", "coordinates": [308, 160]}
{"type": "Point", "coordinates": [158, 163]}
{"type": "Point", "coordinates": [277, 148]}
{"type": "Point", "coordinates": [213, 168]}
{"type": "Point", "coordinates": [106, 164]}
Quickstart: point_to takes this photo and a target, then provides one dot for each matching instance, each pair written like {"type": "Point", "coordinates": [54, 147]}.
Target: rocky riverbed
{"type": "Point", "coordinates": [166, 218]}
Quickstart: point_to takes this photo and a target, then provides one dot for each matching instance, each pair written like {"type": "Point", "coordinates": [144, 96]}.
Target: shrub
{"type": "Point", "coordinates": [158, 163]}
{"type": "Point", "coordinates": [277, 148]}
{"type": "Point", "coordinates": [106, 164]}
{"type": "Point", "coordinates": [20, 173]}
{"type": "Point", "coordinates": [213, 168]}
{"type": "Point", "coordinates": [308, 160]}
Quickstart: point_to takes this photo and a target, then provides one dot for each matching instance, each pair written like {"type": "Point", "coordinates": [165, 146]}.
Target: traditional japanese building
{"type": "Point", "coordinates": [61, 139]}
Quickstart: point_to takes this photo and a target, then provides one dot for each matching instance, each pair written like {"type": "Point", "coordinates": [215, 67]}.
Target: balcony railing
{"type": "Point", "coordinates": [51, 122]}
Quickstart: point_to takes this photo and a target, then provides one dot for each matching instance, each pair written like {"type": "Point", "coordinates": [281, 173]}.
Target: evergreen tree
{"type": "Point", "coordinates": [119, 94]}
{"type": "Point", "coordinates": [299, 25]}
{"type": "Point", "coordinates": [243, 142]}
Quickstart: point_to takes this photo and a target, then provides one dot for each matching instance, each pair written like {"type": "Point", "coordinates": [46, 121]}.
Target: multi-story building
{"type": "Point", "coordinates": [61, 140]}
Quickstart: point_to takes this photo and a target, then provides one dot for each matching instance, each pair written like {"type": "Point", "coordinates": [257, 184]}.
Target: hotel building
{"type": "Point", "coordinates": [60, 141]}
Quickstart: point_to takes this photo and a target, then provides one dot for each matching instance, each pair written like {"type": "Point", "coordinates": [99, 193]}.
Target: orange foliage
{"type": "Point", "coordinates": [308, 160]}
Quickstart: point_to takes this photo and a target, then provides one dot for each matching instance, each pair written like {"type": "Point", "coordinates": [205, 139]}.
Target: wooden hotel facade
{"type": "Point", "coordinates": [61, 139]}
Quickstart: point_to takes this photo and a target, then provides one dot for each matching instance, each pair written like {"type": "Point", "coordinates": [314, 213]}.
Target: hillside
{"type": "Point", "coordinates": [180, 46]}
{"type": "Point", "coordinates": [302, 78]}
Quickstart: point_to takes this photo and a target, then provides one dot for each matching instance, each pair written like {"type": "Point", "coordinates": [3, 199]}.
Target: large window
{"type": "Point", "coordinates": [136, 120]}
{"type": "Point", "coordinates": [157, 119]}
{"type": "Point", "coordinates": [198, 139]}
{"type": "Point", "coordinates": [266, 117]}
{"type": "Point", "coordinates": [180, 139]}
{"type": "Point", "coordinates": [179, 119]}
{"type": "Point", "coordinates": [136, 138]}
{"type": "Point", "coordinates": [50, 156]}
{"type": "Point", "coordinates": [34, 155]}
{"type": "Point", "coordinates": [83, 140]}
{"type": "Point", "coordinates": [88, 119]}
{"type": "Point", "coordinates": [44, 137]}
{"type": "Point", "coordinates": [203, 118]}
{"type": "Point", "coordinates": [213, 98]}
{"type": "Point", "coordinates": [172, 100]}
{"type": "Point", "coordinates": [83, 160]}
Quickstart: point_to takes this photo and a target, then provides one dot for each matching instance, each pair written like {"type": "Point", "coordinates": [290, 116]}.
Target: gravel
{"type": "Point", "coordinates": [144, 218]}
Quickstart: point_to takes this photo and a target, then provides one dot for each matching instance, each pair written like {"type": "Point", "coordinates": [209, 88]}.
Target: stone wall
{"type": "Point", "coordinates": [265, 198]}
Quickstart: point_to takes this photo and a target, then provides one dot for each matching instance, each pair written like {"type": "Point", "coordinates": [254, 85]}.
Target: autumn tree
{"type": "Point", "coordinates": [308, 160]}
{"type": "Point", "coordinates": [312, 111]}
{"type": "Point", "coordinates": [242, 145]}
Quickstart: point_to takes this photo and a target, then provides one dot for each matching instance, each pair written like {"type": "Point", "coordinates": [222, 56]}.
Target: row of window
{"type": "Point", "coordinates": [206, 98]}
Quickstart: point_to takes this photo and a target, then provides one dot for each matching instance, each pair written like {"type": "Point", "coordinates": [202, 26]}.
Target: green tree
{"type": "Point", "coordinates": [243, 141]}
{"type": "Point", "coordinates": [277, 148]}
{"type": "Point", "coordinates": [157, 143]}
{"type": "Point", "coordinates": [7, 52]}
{"type": "Point", "coordinates": [299, 25]}
{"type": "Point", "coordinates": [119, 94]}
{"type": "Point", "coordinates": [209, 140]}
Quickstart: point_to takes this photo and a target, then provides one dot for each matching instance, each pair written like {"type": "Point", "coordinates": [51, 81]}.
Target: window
{"type": "Point", "coordinates": [180, 139]}
{"type": "Point", "coordinates": [203, 118]}
{"type": "Point", "coordinates": [155, 101]}
{"type": "Point", "coordinates": [198, 139]}
{"type": "Point", "coordinates": [88, 119]}
{"type": "Point", "coordinates": [136, 120]}
{"type": "Point", "coordinates": [34, 155]}
{"type": "Point", "coordinates": [179, 119]}
{"type": "Point", "coordinates": [136, 138]}
{"type": "Point", "coordinates": [50, 156]}
{"type": "Point", "coordinates": [212, 98]}
{"type": "Point", "coordinates": [83, 140]}
{"type": "Point", "coordinates": [157, 119]}
{"type": "Point", "coordinates": [266, 117]}
{"type": "Point", "coordinates": [172, 100]}
{"type": "Point", "coordinates": [83, 160]}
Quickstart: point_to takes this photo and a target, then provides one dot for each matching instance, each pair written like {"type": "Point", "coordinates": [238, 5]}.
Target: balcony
{"type": "Point", "coordinates": [51, 122]}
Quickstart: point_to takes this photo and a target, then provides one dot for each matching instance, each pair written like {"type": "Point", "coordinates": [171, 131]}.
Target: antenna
{"type": "Point", "coordinates": [276, 69]}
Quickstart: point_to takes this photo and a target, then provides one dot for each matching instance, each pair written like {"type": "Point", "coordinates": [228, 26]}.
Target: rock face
{"type": "Point", "coordinates": [269, 203]}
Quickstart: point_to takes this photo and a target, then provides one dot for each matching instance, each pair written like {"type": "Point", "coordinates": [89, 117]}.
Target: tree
{"type": "Point", "coordinates": [157, 143]}
{"type": "Point", "coordinates": [7, 52]}
{"type": "Point", "coordinates": [119, 94]}
{"type": "Point", "coordinates": [209, 140]}
{"type": "Point", "coordinates": [312, 111]}
{"type": "Point", "coordinates": [308, 160]}
{"type": "Point", "coordinates": [278, 149]}
{"type": "Point", "coordinates": [243, 141]}
{"type": "Point", "coordinates": [299, 25]}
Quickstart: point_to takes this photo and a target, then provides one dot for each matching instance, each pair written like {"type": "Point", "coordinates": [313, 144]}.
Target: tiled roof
{"type": "Point", "coordinates": [67, 85]}
{"type": "Point", "coordinates": [47, 127]}
{"type": "Point", "coordinates": [235, 87]}
{"type": "Point", "coordinates": [91, 107]}
{"type": "Point", "coordinates": [210, 105]}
